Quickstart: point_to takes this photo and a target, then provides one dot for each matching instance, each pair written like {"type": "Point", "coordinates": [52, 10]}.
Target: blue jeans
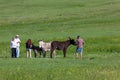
{"type": "Point", "coordinates": [17, 52]}
{"type": "Point", "coordinates": [79, 50]}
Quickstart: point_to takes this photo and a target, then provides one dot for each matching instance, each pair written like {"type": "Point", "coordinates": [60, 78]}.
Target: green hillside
{"type": "Point", "coordinates": [96, 21]}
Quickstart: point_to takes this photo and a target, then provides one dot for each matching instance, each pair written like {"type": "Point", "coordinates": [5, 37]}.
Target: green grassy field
{"type": "Point", "coordinates": [96, 21]}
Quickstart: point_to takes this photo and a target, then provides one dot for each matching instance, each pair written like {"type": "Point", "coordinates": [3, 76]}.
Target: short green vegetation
{"type": "Point", "coordinates": [96, 21]}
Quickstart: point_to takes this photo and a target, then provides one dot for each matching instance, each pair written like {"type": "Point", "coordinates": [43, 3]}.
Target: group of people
{"type": "Point", "coordinates": [15, 44]}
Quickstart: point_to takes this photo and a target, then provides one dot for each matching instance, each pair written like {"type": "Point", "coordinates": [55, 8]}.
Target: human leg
{"type": "Point", "coordinates": [76, 55]}
{"type": "Point", "coordinates": [81, 52]}
{"type": "Point", "coordinates": [27, 54]}
{"type": "Point", "coordinates": [13, 52]}
{"type": "Point", "coordinates": [81, 56]}
{"type": "Point", "coordinates": [77, 51]}
{"type": "Point", "coordinates": [17, 52]}
{"type": "Point", "coordinates": [30, 53]}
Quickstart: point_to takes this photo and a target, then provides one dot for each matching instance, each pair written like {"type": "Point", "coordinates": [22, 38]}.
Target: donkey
{"type": "Point", "coordinates": [46, 46]}
{"type": "Point", "coordinates": [61, 45]}
{"type": "Point", "coordinates": [36, 49]}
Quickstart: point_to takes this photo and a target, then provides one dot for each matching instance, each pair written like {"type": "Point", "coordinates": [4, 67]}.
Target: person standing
{"type": "Point", "coordinates": [79, 49]}
{"type": "Point", "coordinates": [28, 48]}
{"type": "Point", "coordinates": [17, 40]}
{"type": "Point", "coordinates": [13, 47]}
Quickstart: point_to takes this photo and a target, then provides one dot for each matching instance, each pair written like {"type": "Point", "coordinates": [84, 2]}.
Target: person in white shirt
{"type": "Point", "coordinates": [17, 41]}
{"type": "Point", "coordinates": [13, 47]}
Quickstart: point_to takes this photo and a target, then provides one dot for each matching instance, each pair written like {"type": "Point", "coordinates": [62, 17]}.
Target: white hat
{"type": "Point", "coordinates": [17, 35]}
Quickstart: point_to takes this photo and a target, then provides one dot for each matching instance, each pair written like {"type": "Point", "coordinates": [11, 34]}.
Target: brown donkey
{"type": "Point", "coordinates": [61, 45]}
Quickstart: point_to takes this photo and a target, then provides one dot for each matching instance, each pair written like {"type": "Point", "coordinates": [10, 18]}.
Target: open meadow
{"type": "Point", "coordinates": [96, 21]}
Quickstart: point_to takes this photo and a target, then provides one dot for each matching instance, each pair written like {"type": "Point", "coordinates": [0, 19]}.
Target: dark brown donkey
{"type": "Point", "coordinates": [61, 46]}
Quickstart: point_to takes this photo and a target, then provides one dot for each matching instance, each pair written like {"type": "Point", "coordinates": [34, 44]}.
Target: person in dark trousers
{"type": "Point", "coordinates": [13, 47]}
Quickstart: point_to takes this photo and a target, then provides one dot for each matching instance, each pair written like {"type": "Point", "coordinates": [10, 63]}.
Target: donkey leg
{"type": "Point", "coordinates": [40, 54]}
{"type": "Point", "coordinates": [64, 52]}
{"type": "Point", "coordinates": [44, 53]}
{"type": "Point", "coordinates": [51, 53]}
{"type": "Point", "coordinates": [54, 53]}
{"type": "Point", "coordinates": [35, 53]}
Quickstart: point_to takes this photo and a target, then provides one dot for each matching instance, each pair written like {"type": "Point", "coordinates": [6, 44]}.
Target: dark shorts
{"type": "Point", "coordinates": [79, 50]}
{"type": "Point", "coordinates": [28, 49]}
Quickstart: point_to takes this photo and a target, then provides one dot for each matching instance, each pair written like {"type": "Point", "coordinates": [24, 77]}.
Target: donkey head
{"type": "Point", "coordinates": [72, 41]}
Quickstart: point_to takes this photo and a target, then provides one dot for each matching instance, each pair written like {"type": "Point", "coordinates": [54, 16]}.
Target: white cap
{"type": "Point", "coordinates": [17, 35]}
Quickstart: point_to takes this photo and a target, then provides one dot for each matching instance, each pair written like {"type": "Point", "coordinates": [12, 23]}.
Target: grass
{"type": "Point", "coordinates": [55, 69]}
{"type": "Point", "coordinates": [96, 21]}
